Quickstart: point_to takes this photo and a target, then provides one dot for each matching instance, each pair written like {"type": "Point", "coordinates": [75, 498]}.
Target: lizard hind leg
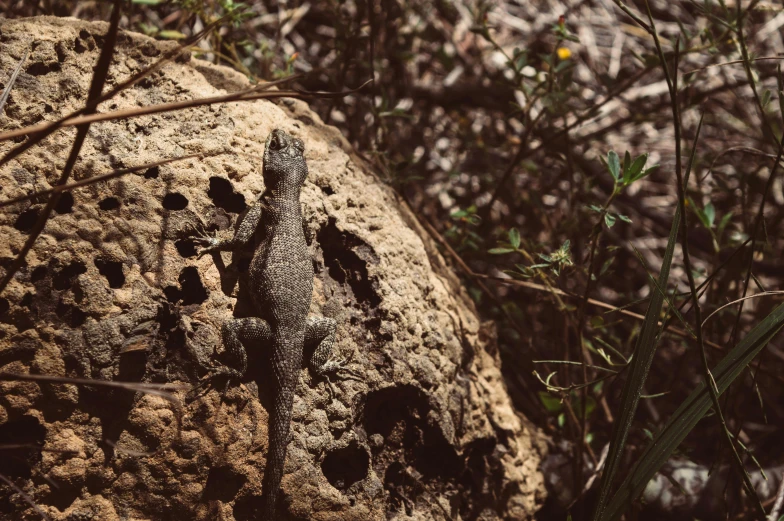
{"type": "Point", "coordinates": [321, 331]}
{"type": "Point", "coordinates": [238, 333]}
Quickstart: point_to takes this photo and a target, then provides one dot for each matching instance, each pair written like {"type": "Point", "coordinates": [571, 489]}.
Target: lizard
{"type": "Point", "coordinates": [280, 279]}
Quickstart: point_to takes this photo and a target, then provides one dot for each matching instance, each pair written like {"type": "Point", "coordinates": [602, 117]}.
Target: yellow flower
{"type": "Point", "coordinates": [563, 53]}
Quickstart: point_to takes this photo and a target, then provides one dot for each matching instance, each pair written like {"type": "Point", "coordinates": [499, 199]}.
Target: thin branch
{"type": "Point", "coordinates": [162, 390]}
{"type": "Point", "coordinates": [251, 94]}
{"type": "Point", "coordinates": [96, 86]}
{"type": "Point", "coordinates": [736, 301]}
{"type": "Point", "coordinates": [733, 62]}
{"type": "Point", "coordinates": [12, 80]}
{"type": "Point", "coordinates": [25, 496]}
{"type": "Point", "coordinates": [98, 80]}
{"type": "Point", "coordinates": [47, 128]}
{"type": "Point", "coordinates": [104, 177]}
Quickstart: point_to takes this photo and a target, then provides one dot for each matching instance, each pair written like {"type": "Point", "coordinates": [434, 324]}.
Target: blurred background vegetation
{"type": "Point", "coordinates": [537, 141]}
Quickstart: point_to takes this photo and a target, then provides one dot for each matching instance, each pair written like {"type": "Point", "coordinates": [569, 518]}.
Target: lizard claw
{"type": "Point", "coordinates": [205, 245]}
{"type": "Point", "coordinates": [338, 368]}
{"type": "Point", "coordinates": [204, 240]}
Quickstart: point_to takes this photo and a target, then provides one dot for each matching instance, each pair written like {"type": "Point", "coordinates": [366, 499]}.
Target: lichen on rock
{"type": "Point", "coordinates": [113, 290]}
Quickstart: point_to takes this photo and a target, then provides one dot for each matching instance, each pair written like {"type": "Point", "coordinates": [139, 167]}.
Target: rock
{"type": "Point", "coordinates": [113, 290]}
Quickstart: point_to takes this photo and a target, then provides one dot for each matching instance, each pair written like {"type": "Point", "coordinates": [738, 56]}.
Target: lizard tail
{"type": "Point", "coordinates": [279, 423]}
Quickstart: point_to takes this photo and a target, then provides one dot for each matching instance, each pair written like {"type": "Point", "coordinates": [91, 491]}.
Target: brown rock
{"type": "Point", "coordinates": [112, 290]}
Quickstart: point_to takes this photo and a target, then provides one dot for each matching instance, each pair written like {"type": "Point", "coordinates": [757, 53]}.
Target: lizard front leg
{"type": "Point", "coordinates": [243, 233]}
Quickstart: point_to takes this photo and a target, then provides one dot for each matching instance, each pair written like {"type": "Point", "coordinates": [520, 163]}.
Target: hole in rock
{"type": "Point", "coordinates": [26, 220]}
{"type": "Point", "coordinates": [346, 258]}
{"type": "Point", "coordinates": [112, 270]}
{"type": "Point", "coordinates": [223, 195]}
{"type": "Point", "coordinates": [26, 430]}
{"type": "Point", "coordinates": [223, 484]}
{"type": "Point", "coordinates": [346, 466]}
{"type": "Point", "coordinates": [65, 204]}
{"type": "Point", "coordinates": [27, 300]}
{"type": "Point", "coordinates": [186, 248]}
{"type": "Point", "coordinates": [401, 415]}
{"type": "Point", "coordinates": [173, 293]}
{"type": "Point", "coordinates": [110, 203]}
{"type": "Point", "coordinates": [193, 291]}
{"type": "Point", "coordinates": [38, 274]}
{"type": "Point", "coordinates": [64, 278]}
{"type": "Point", "coordinates": [71, 315]}
{"type": "Point", "coordinates": [175, 201]}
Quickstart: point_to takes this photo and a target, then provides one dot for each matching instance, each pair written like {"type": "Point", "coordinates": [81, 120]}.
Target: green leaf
{"type": "Point", "coordinates": [766, 98]}
{"type": "Point", "coordinates": [624, 218]}
{"type": "Point", "coordinates": [500, 251]}
{"type": "Point", "coordinates": [396, 113]}
{"type": "Point", "coordinates": [723, 224]}
{"type": "Point", "coordinates": [644, 173]}
{"type": "Point", "coordinates": [780, 83]}
{"type": "Point", "coordinates": [635, 170]}
{"type": "Point", "coordinates": [699, 212]}
{"type": "Point", "coordinates": [710, 214]}
{"type": "Point", "coordinates": [551, 403]}
{"type": "Point", "coordinates": [609, 220]}
{"type": "Point", "coordinates": [627, 162]}
{"type": "Point", "coordinates": [514, 238]}
{"type": "Point", "coordinates": [172, 35]}
{"type": "Point", "coordinates": [614, 164]}
{"type": "Point", "coordinates": [691, 411]}
{"type": "Point", "coordinates": [606, 266]}
{"type": "Point", "coordinates": [594, 208]}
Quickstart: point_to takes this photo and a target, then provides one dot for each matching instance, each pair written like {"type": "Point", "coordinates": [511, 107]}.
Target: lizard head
{"type": "Point", "coordinates": [284, 161]}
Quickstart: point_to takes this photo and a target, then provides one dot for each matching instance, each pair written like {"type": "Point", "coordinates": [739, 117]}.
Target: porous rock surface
{"type": "Point", "coordinates": [113, 290]}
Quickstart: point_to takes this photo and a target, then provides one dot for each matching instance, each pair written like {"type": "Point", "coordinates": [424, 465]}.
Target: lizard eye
{"type": "Point", "coordinates": [274, 144]}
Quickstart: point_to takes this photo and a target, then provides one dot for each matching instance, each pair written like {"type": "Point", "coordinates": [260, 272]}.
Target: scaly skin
{"type": "Point", "coordinates": [281, 284]}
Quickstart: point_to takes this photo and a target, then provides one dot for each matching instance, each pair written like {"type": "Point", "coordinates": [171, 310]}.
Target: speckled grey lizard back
{"type": "Point", "coordinates": [280, 282]}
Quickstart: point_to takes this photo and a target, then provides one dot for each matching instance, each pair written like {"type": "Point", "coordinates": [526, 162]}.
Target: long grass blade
{"type": "Point", "coordinates": [691, 411]}
{"type": "Point", "coordinates": [641, 363]}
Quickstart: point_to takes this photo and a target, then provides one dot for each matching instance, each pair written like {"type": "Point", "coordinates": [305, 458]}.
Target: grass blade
{"type": "Point", "coordinates": [691, 411]}
{"type": "Point", "coordinates": [638, 371]}
{"type": "Point", "coordinates": [641, 363]}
